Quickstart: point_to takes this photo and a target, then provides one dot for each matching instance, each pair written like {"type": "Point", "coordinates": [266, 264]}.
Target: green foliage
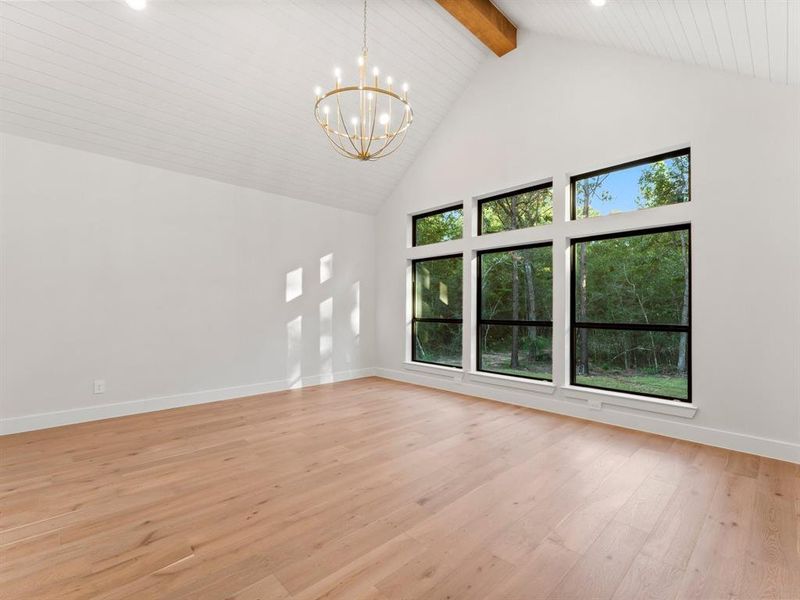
{"type": "Point", "coordinates": [438, 343]}
{"type": "Point", "coordinates": [636, 279]}
{"type": "Point", "coordinates": [437, 288]}
{"type": "Point", "coordinates": [531, 271]}
{"type": "Point", "coordinates": [619, 353]}
{"type": "Point", "coordinates": [664, 182]}
{"type": "Point", "coordinates": [534, 350]}
{"type": "Point", "coordinates": [438, 295]}
{"type": "Point", "coordinates": [589, 193]}
{"type": "Point", "coordinates": [654, 385]}
{"type": "Point", "coordinates": [661, 183]}
{"type": "Point", "coordinates": [440, 227]}
{"type": "Point", "coordinates": [518, 211]}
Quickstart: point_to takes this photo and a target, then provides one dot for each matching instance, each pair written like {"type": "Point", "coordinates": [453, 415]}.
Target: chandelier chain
{"type": "Point", "coordinates": [364, 47]}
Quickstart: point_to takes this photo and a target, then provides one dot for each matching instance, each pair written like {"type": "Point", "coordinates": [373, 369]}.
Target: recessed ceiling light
{"type": "Point", "coordinates": [598, 2]}
{"type": "Point", "coordinates": [137, 4]}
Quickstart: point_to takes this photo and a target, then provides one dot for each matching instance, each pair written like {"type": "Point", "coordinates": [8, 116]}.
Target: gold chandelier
{"type": "Point", "coordinates": [364, 121]}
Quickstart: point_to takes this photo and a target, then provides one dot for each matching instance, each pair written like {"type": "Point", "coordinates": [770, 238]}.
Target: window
{"type": "Point", "coordinates": [515, 322]}
{"type": "Point", "coordinates": [516, 210]}
{"type": "Point", "coordinates": [437, 321]}
{"type": "Point", "coordinates": [438, 226]}
{"type": "Point", "coordinates": [647, 183]}
{"type": "Point", "coordinates": [631, 295]}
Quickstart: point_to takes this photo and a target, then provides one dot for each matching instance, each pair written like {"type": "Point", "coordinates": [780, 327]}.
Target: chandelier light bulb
{"type": "Point", "coordinates": [405, 87]}
{"type": "Point", "coordinates": [388, 81]}
{"type": "Point", "coordinates": [337, 72]}
{"type": "Point", "coordinates": [326, 109]}
{"type": "Point", "coordinates": [598, 2]}
{"type": "Point", "coordinates": [317, 91]}
{"type": "Point", "coordinates": [137, 4]}
{"type": "Point", "coordinates": [354, 121]}
{"type": "Point", "coordinates": [384, 119]}
{"type": "Point", "coordinates": [369, 95]}
{"type": "Point", "coordinates": [361, 60]}
{"type": "Point", "coordinates": [375, 71]}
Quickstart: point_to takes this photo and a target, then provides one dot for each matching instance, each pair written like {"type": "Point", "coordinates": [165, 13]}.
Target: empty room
{"type": "Point", "coordinates": [399, 299]}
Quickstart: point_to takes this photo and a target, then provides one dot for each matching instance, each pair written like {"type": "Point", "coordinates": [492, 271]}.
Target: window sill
{"type": "Point", "coordinates": [455, 373]}
{"type": "Point", "coordinates": [597, 398]}
{"type": "Point", "coordinates": [520, 383]}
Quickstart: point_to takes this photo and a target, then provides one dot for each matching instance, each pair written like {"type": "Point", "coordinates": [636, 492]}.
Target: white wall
{"type": "Point", "coordinates": [551, 108]}
{"type": "Point", "coordinates": [170, 287]}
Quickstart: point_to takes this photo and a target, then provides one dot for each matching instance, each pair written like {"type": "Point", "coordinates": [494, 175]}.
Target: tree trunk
{"type": "Point", "coordinates": [531, 313]}
{"type": "Point", "coordinates": [583, 364]}
{"type": "Point", "coordinates": [653, 348]}
{"type": "Point", "coordinates": [514, 295]}
{"type": "Point", "coordinates": [625, 356]}
{"type": "Point", "coordinates": [685, 308]}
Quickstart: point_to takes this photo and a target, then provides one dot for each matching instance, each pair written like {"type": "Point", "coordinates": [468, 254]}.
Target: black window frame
{"type": "Point", "coordinates": [627, 165]}
{"type": "Point", "coordinates": [433, 213]}
{"type": "Point", "coordinates": [508, 322]}
{"type": "Point", "coordinates": [415, 319]}
{"type": "Point", "coordinates": [687, 329]}
{"type": "Point", "coordinates": [531, 188]}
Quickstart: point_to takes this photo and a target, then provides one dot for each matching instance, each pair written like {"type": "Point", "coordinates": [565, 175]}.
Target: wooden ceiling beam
{"type": "Point", "coordinates": [485, 22]}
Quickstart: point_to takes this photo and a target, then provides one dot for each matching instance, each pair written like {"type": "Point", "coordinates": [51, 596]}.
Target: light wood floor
{"type": "Point", "coordinates": [376, 490]}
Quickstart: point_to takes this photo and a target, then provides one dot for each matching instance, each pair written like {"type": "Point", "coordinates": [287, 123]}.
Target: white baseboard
{"type": "Point", "coordinates": [685, 430]}
{"type": "Point", "coordinates": [609, 414]}
{"type": "Point", "coordinates": [132, 407]}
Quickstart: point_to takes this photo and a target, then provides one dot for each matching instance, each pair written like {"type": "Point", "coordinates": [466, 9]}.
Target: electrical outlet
{"type": "Point", "coordinates": [595, 404]}
{"type": "Point", "coordinates": [99, 386]}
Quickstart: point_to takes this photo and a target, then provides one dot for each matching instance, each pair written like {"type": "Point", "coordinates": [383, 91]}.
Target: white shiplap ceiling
{"type": "Point", "coordinates": [224, 89]}
{"type": "Point", "coordinates": [754, 38]}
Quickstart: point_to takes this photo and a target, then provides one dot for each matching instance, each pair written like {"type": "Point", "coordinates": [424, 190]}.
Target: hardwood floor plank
{"type": "Point", "coordinates": [268, 588]}
{"type": "Point", "coordinates": [598, 573]}
{"type": "Point", "coordinates": [538, 575]}
{"type": "Point", "coordinates": [579, 529]}
{"type": "Point", "coordinates": [674, 536]}
{"type": "Point", "coordinates": [746, 465]}
{"type": "Point", "coordinates": [523, 536]}
{"type": "Point", "coordinates": [359, 577]}
{"type": "Point", "coordinates": [649, 579]}
{"type": "Point", "coordinates": [472, 579]}
{"type": "Point", "coordinates": [646, 504]}
{"type": "Point", "coordinates": [714, 567]}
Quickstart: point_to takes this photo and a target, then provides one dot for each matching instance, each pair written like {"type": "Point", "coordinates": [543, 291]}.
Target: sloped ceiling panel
{"type": "Point", "coordinates": [224, 89]}
{"type": "Point", "coordinates": [754, 38]}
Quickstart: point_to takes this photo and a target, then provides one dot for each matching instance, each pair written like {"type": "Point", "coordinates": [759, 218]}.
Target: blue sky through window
{"type": "Point", "coordinates": [622, 187]}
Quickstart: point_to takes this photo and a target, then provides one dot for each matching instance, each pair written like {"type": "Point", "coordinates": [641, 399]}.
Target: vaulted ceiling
{"type": "Point", "coordinates": [224, 88]}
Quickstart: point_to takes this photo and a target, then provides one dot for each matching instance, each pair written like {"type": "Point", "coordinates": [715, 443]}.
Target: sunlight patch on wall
{"type": "Point", "coordinates": [325, 268]}
{"type": "Point", "coordinates": [294, 352]}
{"type": "Point", "coordinates": [443, 292]}
{"type": "Point", "coordinates": [294, 284]}
{"type": "Point", "coordinates": [355, 312]}
{"type": "Point", "coordinates": [326, 338]}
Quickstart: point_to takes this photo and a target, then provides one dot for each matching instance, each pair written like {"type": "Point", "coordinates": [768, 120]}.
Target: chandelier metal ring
{"type": "Point", "coordinates": [364, 143]}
